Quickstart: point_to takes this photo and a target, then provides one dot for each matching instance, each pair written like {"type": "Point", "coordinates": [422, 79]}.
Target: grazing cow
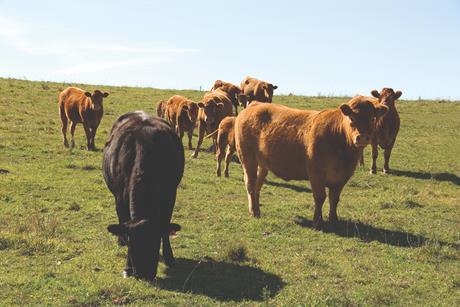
{"type": "Point", "coordinates": [225, 143]}
{"type": "Point", "coordinates": [79, 106]}
{"type": "Point", "coordinates": [143, 165]}
{"type": "Point", "coordinates": [214, 107]}
{"type": "Point", "coordinates": [232, 91]}
{"type": "Point", "coordinates": [182, 114]}
{"type": "Point", "coordinates": [323, 147]}
{"type": "Point", "coordinates": [255, 89]}
{"type": "Point", "coordinates": [161, 109]}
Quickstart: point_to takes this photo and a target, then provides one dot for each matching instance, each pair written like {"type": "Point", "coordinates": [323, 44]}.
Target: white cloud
{"type": "Point", "coordinates": [103, 66]}
{"type": "Point", "coordinates": [83, 54]}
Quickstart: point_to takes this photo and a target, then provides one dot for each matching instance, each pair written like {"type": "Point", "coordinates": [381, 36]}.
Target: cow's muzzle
{"type": "Point", "coordinates": [362, 140]}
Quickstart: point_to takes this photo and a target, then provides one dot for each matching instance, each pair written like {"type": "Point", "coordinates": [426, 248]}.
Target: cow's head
{"type": "Point", "coordinates": [361, 115]}
{"type": "Point", "coordinates": [269, 88]}
{"type": "Point", "coordinates": [243, 100]}
{"type": "Point", "coordinates": [212, 110]}
{"type": "Point", "coordinates": [143, 240]}
{"type": "Point", "coordinates": [96, 98]}
{"type": "Point", "coordinates": [191, 111]}
{"type": "Point", "coordinates": [387, 96]}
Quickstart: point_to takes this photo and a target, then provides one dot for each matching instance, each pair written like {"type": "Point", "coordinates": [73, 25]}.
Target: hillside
{"type": "Point", "coordinates": [398, 242]}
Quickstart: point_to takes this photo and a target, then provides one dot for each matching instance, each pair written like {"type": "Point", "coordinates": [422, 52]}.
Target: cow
{"type": "Point", "coordinates": [182, 114]}
{"type": "Point", "coordinates": [232, 91]}
{"type": "Point", "coordinates": [387, 128]}
{"type": "Point", "coordinates": [214, 107]}
{"type": "Point", "coordinates": [161, 108]}
{"type": "Point", "coordinates": [143, 164]}
{"type": "Point", "coordinates": [255, 89]}
{"type": "Point", "coordinates": [225, 142]}
{"type": "Point", "coordinates": [79, 106]}
{"type": "Point", "coordinates": [321, 146]}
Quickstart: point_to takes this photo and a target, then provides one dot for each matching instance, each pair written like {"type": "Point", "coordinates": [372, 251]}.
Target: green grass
{"type": "Point", "coordinates": [397, 244]}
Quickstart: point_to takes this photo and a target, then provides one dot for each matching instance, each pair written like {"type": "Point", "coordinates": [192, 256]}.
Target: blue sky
{"type": "Point", "coordinates": [305, 47]}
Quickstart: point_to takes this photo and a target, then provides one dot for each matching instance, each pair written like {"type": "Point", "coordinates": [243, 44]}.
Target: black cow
{"type": "Point", "coordinates": [143, 165]}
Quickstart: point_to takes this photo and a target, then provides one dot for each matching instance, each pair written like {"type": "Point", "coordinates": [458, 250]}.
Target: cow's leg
{"type": "Point", "coordinates": [387, 154]}
{"type": "Point", "coordinates": [250, 178]}
{"type": "Point", "coordinates": [64, 122]}
{"type": "Point", "coordinates": [334, 196]}
{"type": "Point", "coordinates": [375, 154]}
{"type": "Point", "coordinates": [123, 216]}
{"type": "Point", "coordinates": [319, 195]}
{"type": "Point", "coordinates": [228, 158]}
{"type": "Point", "coordinates": [361, 159]}
{"type": "Point", "coordinates": [201, 132]}
{"type": "Point", "coordinates": [190, 136]}
{"type": "Point", "coordinates": [88, 135]}
{"type": "Point", "coordinates": [219, 156]}
{"type": "Point", "coordinates": [261, 174]}
{"type": "Point", "coordinates": [168, 256]}
{"type": "Point", "coordinates": [180, 132]}
{"type": "Point", "coordinates": [93, 136]}
{"type": "Point", "coordinates": [73, 125]}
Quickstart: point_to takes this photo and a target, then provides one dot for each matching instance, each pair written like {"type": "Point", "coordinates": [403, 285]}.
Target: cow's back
{"type": "Point", "coordinates": [142, 159]}
{"type": "Point", "coordinates": [73, 100]}
{"type": "Point", "coordinates": [276, 134]}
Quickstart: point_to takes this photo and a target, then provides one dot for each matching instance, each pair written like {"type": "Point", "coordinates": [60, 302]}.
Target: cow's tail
{"type": "Point", "coordinates": [212, 134]}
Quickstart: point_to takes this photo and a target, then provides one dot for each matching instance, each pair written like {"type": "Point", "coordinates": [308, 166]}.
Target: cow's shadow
{"type": "Point", "coordinates": [288, 185]}
{"type": "Point", "coordinates": [220, 280]}
{"type": "Point", "coordinates": [368, 233]}
{"type": "Point", "coordinates": [430, 176]}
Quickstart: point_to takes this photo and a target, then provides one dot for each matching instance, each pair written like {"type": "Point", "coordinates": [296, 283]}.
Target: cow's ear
{"type": "Point", "coordinates": [275, 87]}
{"type": "Point", "coordinates": [375, 93]}
{"type": "Point", "coordinates": [87, 94]}
{"type": "Point", "coordinates": [398, 94]}
{"type": "Point", "coordinates": [200, 105]}
{"type": "Point", "coordinates": [173, 228]}
{"type": "Point", "coordinates": [346, 109]}
{"type": "Point", "coordinates": [380, 110]}
{"type": "Point", "coordinates": [117, 229]}
{"type": "Point", "coordinates": [105, 94]}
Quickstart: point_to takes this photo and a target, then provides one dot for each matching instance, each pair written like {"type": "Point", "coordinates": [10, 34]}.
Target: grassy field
{"type": "Point", "coordinates": [397, 244]}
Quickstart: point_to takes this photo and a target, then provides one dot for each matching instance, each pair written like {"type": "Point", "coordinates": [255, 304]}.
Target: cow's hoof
{"type": "Point", "coordinates": [256, 214]}
{"type": "Point", "coordinates": [372, 171]}
{"type": "Point", "coordinates": [386, 171]}
{"type": "Point", "coordinates": [333, 221]}
{"type": "Point", "coordinates": [127, 273]}
{"type": "Point", "coordinates": [218, 174]}
{"type": "Point", "coordinates": [227, 175]}
{"type": "Point", "coordinates": [66, 144]}
{"type": "Point", "coordinates": [194, 155]}
{"type": "Point", "coordinates": [318, 225]}
{"type": "Point", "coordinates": [170, 262]}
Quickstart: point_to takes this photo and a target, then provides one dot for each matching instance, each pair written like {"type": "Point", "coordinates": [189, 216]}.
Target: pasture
{"type": "Point", "coordinates": [397, 243]}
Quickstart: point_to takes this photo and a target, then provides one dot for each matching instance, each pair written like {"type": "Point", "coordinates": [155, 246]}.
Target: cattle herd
{"type": "Point", "coordinates": [143, 159]}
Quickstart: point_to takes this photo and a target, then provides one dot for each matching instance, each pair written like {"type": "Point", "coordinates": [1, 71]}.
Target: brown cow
{"type": "Point", "coordinates": [225, 143]}
{"type": "Point", "coordinates": [387, 128]}
{"type": "Point", "coordinates": [214, 107]}
{"type": "Point", "coordinates": [255, 89]}
{"type": "Point", "coordinates": [79, 106]}
{"type": "Point", "coordinates": [161, 108]}
{"type": "Point", "coordinates": [233, 92]}
{"type": "Point", "coordinates": [182, 114]}
{"type": "Point", "coordinates": [323, 147]}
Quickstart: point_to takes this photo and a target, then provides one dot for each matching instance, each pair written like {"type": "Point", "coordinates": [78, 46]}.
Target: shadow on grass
{"type": "Point", "coordinates": [423, 175]}
{"type": "Point", "coordinates": [288, 185]}
{"type": "Point", "coordinates": [221, 280]}
{"type": "Point", "coordinates": [368, 233]}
